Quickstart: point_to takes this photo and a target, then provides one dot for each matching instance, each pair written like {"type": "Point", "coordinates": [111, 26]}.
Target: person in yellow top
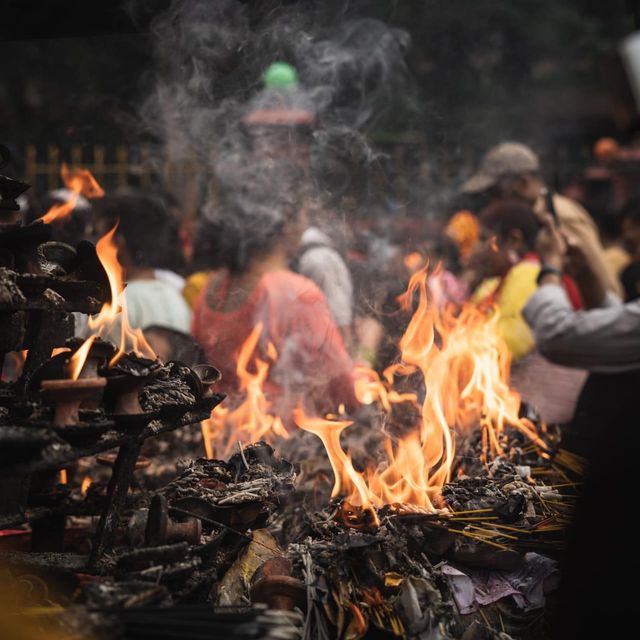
{"type": "Point", "coordinates": [505, 257]}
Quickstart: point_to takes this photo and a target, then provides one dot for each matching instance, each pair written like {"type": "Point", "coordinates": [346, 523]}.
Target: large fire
{"type": "Point", "coordinates": [464, 365]}
{"type": "Point", "coordinates": [80, 182]}
{"type": "Point", "coordinates": [460, 365]}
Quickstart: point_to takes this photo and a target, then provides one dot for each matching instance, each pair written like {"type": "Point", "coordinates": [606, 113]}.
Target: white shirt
{"type": "Point", "coordinates": [152, 302]}
{"type": "Point", "coordinates": [149, 302]}
{"type": "Point", "coordinates": [170, 277]}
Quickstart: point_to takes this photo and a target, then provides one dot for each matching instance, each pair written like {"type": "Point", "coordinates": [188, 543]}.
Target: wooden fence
{"type": "Point", "coordinates": [115, 168]}
{"type": "Point", "coordinates": [120, 166]}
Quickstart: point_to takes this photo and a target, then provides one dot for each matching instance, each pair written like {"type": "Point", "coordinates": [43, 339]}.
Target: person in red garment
{"type": "Point", "coordinates": [250, 238]}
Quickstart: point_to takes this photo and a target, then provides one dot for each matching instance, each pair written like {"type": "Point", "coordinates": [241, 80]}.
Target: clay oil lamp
{"type": "Point", "coordinates": [207, 375]}
{"type": "Point", "coordinates": [125, 381]}
{"type": "Point", "coordinates": [68, 394]}
{"type": "Point", "coordinates": [273, 585]}
{"type": "Point", "coordinates": [161, 529]}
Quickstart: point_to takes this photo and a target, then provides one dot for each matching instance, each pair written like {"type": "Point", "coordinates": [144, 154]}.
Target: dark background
{"type": "Point", "coordinates": [542, 71]}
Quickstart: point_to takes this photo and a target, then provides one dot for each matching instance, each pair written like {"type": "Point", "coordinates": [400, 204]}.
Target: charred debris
{"type": "Point", "coordinates": [252, 546]}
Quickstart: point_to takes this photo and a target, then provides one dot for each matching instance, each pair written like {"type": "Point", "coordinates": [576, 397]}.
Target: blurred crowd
{"type": "Point", "coordinates": [320, 282]}
{"type": "Point", "coordinates": [321, 279]}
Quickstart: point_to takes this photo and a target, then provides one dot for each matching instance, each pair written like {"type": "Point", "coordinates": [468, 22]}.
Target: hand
{"type": "Point", "coordinates": [576, 260]}
{"type": "Point", "coordinates": [550, 244]}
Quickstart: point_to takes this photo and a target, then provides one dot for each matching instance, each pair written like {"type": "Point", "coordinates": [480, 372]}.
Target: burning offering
{"type": "Point", "coordinates": [300, 340]}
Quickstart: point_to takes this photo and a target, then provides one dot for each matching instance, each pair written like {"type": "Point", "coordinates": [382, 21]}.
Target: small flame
{"type": "Point", "coordinates": [116, 309]}
{"type": "Point", "coordinates": [272, 352]}
{"type": "Point", "coordinates": [131, 339]}
{"type": "Point", "coordinates": [107, 252]}
{"type": "Point", "coordinates": [464, 229]}
{"type": "Point", "coordinates": [413, 261]}
{"type": "Point", "coordinates": [62, 476]}
{"type": "Point", "coordinates": [60, 210]}
{"type": "Point", "coordinates": [86, 483]}
{"type": "Point", "coordinates": [252, 419]}
{"type": "Point", "coordinates": [81, 182]}
{"type": "Point", "coordinates": [208, 433]}
{"type": "Point", "coordinates": [79, 358]}
{"type": "Point", "coordinates": [369, 388]}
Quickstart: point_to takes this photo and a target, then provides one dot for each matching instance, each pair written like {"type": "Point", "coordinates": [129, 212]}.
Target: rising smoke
{"type": "Point", "coordinates": [211, 57]}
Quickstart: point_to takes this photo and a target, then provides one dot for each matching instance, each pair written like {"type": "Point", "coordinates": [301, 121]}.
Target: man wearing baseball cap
{"type": "Point", "coordinates": [511, 170]}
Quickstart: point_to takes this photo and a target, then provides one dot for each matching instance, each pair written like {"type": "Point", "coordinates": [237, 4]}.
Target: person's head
{"type": "Point", "coordinates": [170, 344]}
{"type": "Point", "coordinates": [630, 222]}
{"type": "Point", "coordinates": [147, 234]}
{"type": "Point", "coordinates": [509, 171]}
{"type": "Point", "coordinates": [508, 232]}
{"type": "Point", "coordinates": [260, 211]}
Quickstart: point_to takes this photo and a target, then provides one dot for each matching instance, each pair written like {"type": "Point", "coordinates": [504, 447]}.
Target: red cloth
{"type": "Point", "coordinates": [312, 360]}
{"type": "Point", "coordinates": [569, 284]}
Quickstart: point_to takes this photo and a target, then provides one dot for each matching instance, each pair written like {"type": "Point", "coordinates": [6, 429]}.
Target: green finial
{"type": "Point", "coordinates": [280, 75]}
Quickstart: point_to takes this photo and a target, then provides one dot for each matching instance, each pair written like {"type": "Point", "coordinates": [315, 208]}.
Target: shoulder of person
{"type": "Point", "coordinates": [320, 260]}
{"type": "Point", "coordinates": [288, 281]}
{"type": "Point", "coordinates": [522, 274]}
{"type": "Point", "coordinates": [319, 252]}
{"type": "Point", "coordinates": [288, 287]}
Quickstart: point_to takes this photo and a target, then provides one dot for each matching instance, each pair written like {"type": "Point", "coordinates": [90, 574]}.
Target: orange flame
{"type": "Point", "coordinates": [79, 358]}
{"type": "Point", "coordinates": [418, 464]}
{"type": "Point", "coordinates": [369, 388]}
{"type": "Point", "coordinates": [344, 474]}
{"type": "Point", "coordinates": [131, 339]}
{"type": "Point", "coordinates": [464, 364]}
{"type": "Point", "coordinates": [107, 252]}
{"type": "Point", "coordinates": [62, 476]}
{"type": "Point", "coordinates": [81, 182]}
{"type": "Point", "coordinates": [464, 367]}
{"type": "Point", "coordinates": [208, 435]}
{"type": "Point", "coordinates": [112, 312]}
{"type": "Point", "coordinates": [252, 419]}
{"type": "Point", "coordinates": [86, 483]}
{"type": "Point", "coordinates": [464, 229]}
{"type": "Point", "coordinates": [413, 261]}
